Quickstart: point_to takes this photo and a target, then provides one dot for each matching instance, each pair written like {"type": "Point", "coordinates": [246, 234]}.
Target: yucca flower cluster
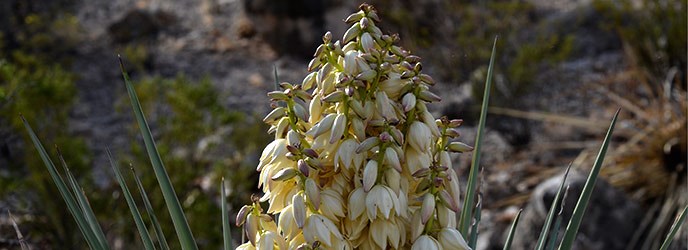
{"type": "Point", "coordinates": [357, 162]}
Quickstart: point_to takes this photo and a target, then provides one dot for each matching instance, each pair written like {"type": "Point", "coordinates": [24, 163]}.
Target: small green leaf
{"type": "Point", "coordinates": [579, 211]}
{"type": "Point", "coordinates": [512, 231]}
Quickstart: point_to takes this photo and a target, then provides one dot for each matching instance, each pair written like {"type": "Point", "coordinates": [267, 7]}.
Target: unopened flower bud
{"type": "Point", "coordinates": [367, 42]}
{"type": "Point", "coordinates": [420, 173]}
{"type": "Point", "coordinates": [428, 96]}
{"type": "Point", "coordinates": [448, 201]}
{"type": "Point", "coordinates": [427, 208]}
{"type": "Point", "coordinates": [313, 193]}
{"type": "Point", "coordinates": [392, 159]}
{"type": "Point", "coordinates": [366, 75]}
{"type": "Point", "coordinates": [459, 147]}
{"type": "Point", "coordinates": [278, 95]}
{"type": "Point", "coordinates": [355, 17]}
{"type": "Point", "coordinates": [333, 97]}
{"type": "Point", "coordinates": [325, 124]}
{"type": "Point", "coordinates": [455, 123]}
{"type": "Point", "coordinates": [241, 216]}
{"type": "Point", "coordinates": [358, 128]}
{"type": "Point", "coordinates": [299, 210]}
{"type": "Point", "coordinates": [303, 167]}
{"type": "Point", "coordinates": [284, 174]}
{"type": "Point", "coordinates": [315, 62]}
{"type": "Point", "coordinates": [367, 144]}
{"type": "Point", "coordinates": [275, 114]}
{"type": "Point", "coordinates": [369, 175]}
{"type": "Point", "coordinates": [385, 137]}
{"type": "Point", "coordinates": [352, 32]}
{"type": "Point", "coordinates": [301, 112]}
{"type": "Point", "coordinates": [408, 102]}
{"type": "Point", "coordinates": [338, 128]}
{"type": "Point", "coordinates": [327, 37]}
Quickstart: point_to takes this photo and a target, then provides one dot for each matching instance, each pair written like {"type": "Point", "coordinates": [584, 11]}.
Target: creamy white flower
{"type": "Point", "coordinates": [380, 198]}
{"type": "Point", "coordinates": [416, 160]}
{"type": "Point", "coordinates": [346, 154]}
{"type": "Point", "coordinates": [393, 85]}
{"type": "Point", "coordinates": [369, 175]}
{"type": "Point", "coordinates": [338, 128]}
{"type": "Point", "coordinates": [419, 136]}
{"type": "Point", "coordinates": [356, 203]}
{"type": "Point", "coordinates": [320, 228]}
{"type": "Point", "coordinates": [451, 239]}
{"type": "Point", "coordinates": [332, 204]}
{"type": "Point", "coordinates": [426, 242]}
{"type": "Point", "coordinates": [349, 65]}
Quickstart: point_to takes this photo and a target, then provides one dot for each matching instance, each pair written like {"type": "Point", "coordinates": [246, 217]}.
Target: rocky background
{"type": "Point", "coordinates": [202, 69]}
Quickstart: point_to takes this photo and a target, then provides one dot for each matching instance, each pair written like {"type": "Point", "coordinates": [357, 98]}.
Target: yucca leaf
{"type": "Point", "coordinates": [274, 73]}
{"type": "Point", "coordinates": [552, 210]}
{"type": "Point", "coordinates": [554, 233]}
{"type": "Point", "coordinates": [674, 229]}
{"type": "Point", "coordinates": [581, 205]}
{"type": "Point", "coordinates": [143, 231]}
{"type": "Point", "coordinates": [226, 227]}
{"type": "Point", "coordinates": [465, 218]}
{"type": "Point", "coordinates": [67, 196]}
{"type": "Point", "coordinates": [162, 241]}
{"type": "Point", "coordinates": [20, 237]}
{"type": "Point", "coordinates": [82, 200]}
{"type": "Point", "coordinates": [181, 226]}
{"type": "Point", "coordinates": [476, 222]}
{"type": "Point", "coordinates": [512, 231]}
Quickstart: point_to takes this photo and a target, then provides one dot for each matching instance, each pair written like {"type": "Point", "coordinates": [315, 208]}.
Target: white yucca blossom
{"type": "Point", "coordinates": [358, 161]}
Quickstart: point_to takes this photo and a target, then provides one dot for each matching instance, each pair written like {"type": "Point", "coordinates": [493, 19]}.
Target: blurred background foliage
{"type": "Point", "coordinates": [201, 139]}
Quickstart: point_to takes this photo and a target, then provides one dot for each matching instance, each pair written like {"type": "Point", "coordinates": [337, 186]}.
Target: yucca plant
{"type": "Point", "coordinates": [358, 162]}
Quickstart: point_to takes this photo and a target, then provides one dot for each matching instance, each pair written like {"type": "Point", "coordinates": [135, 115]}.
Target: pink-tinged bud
{"type": "Point", "coordinates": [284, 174]}
{"type": "Point", "coordinates": [369, 175]}
{"type": "Point", "coordinates": [293, 149]}
{"type": "Point", "coordinates": [313, 193]}
{"type": "Point", "coordinates": [397, 135]}
{"type": "Point", "coordinates": [327, 37]}
{"type": "Point", "coordinates": [293, 139]}
{"type": "Point", "coordinates": [452, 133]}
{"type": "Point", "coordinates": [426, 79]}
{"type": "Point", "coordinates": [308, 81]}
{"type": "Point", "coordinates": [459, 147]}
{"type": "Point", "coordinates": [427, 208]}
{"type": "Point", "coordinates": [449, 201]}
{"type": "Point", "coordinates": [420, 173]}
{"type": "Point", "coordinates": [303, 167]}
{"type": "Point", "coordinates": [241, 216]}
{"type": "Point", "coordinates": [367, 144]}
{"type": "Point", "coordinates": [310, 153]}
{"type": "Point", "coordinates": [338, 128]}
{"type": "Point", "coordinates": [428, 96]}
{"type": "Point", "coordinates": [392, 159]}
{"type": "Point", "coordinates": [325, 124]}
{"type": "Point", "coordinates": [299, 209]}
{"type": "Point", "coordinates": [275, 114]}
{"type": "Point", "coordinates": [352, 32]}
{"type": "Point", "coordinates": [367, 42]}
{"type": "Point", "coordinates": [455, 123]}
{"type": "Point", "coordinates": [385, 137]}
{"type": "Point", "coordinates": [364, 23]}
{"type": "Point", "coordinates": [408, 102]}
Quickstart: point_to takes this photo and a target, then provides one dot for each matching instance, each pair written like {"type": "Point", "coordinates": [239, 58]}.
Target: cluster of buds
{"type": "Point", "coordinates": [357, 162]}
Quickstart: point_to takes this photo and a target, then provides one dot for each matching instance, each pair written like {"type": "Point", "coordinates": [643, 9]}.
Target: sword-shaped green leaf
{"type": "Point", "coordinates": [181, 225]}
{"type": "Point", "coordinates": [226, 227]}
{"type": "Point", "coordinates": [674, 229]}
{"type": "Point", "coordinates": [162, 241]}
{"type": "Point", "coordinates": [143, 231]}
{"type": "Point", "coordinates": [581, 205]}
{"type": "Point", "coordinates": [465, 219]}
{"type": "Point", "coordinates": [67, 196]}
{"type": "Point", "coordinates": [552, 210]}
{"type": "Point", "coordinates": [512, 231]}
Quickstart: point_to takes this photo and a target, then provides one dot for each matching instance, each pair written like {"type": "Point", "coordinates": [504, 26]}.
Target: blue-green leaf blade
{"type": "Point", "coordinates": [143, 231]}
{"type": "Point", "coordinates": [465, 218]}
{"type": "Point", "coordinates": [552, 210]}
{"type": "Point", "coordinates": [162, 241]}
{"type": "Point", "coordinates": [581, 205]}
{"type": "Point", "coordinates": [674, 229]}
{"type": "Point", "coordinates": [181, 225]}
{"type": "Point", "coordinates": [67, 196]}
{"type": "Point", "coordinates": [226, 227]}
{"type": "Point", "coordinates": [512, 231]}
